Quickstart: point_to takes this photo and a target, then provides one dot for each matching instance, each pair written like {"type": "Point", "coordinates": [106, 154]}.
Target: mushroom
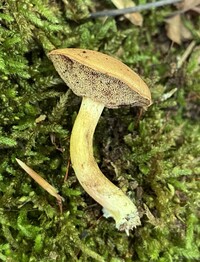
{"type": "Point", "coordinates": [102, 81]}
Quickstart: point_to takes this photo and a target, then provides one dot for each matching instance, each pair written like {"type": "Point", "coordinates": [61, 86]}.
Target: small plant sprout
{"type": "Point", "coordinates": [102, 81]}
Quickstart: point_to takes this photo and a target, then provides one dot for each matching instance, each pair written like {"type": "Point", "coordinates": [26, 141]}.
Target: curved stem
{"type": "Point", "coordinates": [115, 203]}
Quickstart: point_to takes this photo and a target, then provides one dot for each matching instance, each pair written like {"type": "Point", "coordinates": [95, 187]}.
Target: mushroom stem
{"type": "Point", "coordinates": [115, 203]}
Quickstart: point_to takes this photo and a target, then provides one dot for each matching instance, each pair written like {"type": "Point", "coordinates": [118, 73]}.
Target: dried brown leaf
{"type": "Point", "coordinates": [187, 5]}
{"type": "Point", "coordinates": [135, 18]}
{"type": "Point", "coordinates": [176, 31]}
{"type": "Point", "coordinates": [190, 4]}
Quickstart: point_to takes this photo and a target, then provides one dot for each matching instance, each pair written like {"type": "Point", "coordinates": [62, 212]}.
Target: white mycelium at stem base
{"type": "Point", "coordinates": [115, 203]}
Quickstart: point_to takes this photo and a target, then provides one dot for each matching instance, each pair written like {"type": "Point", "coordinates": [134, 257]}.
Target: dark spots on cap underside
{"type": "Point", "coordinates": [107, 92]}
{"type": "Point", "coordinates": [94, 74]}
{"type": "Point", "coordinates": [67, 61]}
{"type": "Point", "coordinates": [100, 87]}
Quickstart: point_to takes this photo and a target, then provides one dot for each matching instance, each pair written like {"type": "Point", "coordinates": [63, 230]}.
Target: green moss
{"type": "Point", "coordinates": [153, 157]}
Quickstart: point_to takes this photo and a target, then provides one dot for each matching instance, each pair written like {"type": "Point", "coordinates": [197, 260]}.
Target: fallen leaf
{"type": "Point", "coordinates": [135, 18]}
{"type": "Point", "coordinates": [190, 4]}
{"type": "Point", "coordinates": [176, 31]}
{"type": "Point", "coordinates": [187, 5]}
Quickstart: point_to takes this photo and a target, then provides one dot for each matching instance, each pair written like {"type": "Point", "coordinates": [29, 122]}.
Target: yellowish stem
{"type": "Point", "coordinates": [115, 203]}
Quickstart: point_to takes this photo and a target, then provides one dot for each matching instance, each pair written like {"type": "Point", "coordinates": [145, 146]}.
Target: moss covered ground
{"type": "Point", "coordinates": [153, 156]}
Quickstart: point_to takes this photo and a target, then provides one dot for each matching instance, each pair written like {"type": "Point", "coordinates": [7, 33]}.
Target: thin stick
{"type": "Point", "coordinates": [134, 9]}
{"type": "Point", "coordinates": [67, 171]}
{"type": "Point", "coordinates": [41, 181]}
{"type": "Point", "coordinates": [186, 54]}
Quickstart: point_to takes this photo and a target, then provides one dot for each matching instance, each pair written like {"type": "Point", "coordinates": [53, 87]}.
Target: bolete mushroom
{"type": "Point", "coordinates": [102, 81]}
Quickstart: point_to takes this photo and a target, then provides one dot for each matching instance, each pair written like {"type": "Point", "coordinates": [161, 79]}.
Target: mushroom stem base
{"type": "Point", "coordinates": [115, 203]}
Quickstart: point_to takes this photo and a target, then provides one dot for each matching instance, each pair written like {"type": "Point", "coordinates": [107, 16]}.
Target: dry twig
{"type": "Point", "coordinates": [133, 9]}
{"type": "Point", "coordinates": [42, 182]}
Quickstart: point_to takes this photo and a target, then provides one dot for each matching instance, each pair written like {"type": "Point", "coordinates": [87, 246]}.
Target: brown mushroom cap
{"type": "Point", "coordinates": [101, 77]}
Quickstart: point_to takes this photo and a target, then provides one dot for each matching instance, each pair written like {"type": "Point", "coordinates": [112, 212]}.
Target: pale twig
{"type": "Point", "coordinates": [42, 182]}
{"type": "Point", "coordinates": [186, 54]}
{"type": "Point", "coordinates": [133, 9]}
{"type": "Point", "coordinates": [67, 171]}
